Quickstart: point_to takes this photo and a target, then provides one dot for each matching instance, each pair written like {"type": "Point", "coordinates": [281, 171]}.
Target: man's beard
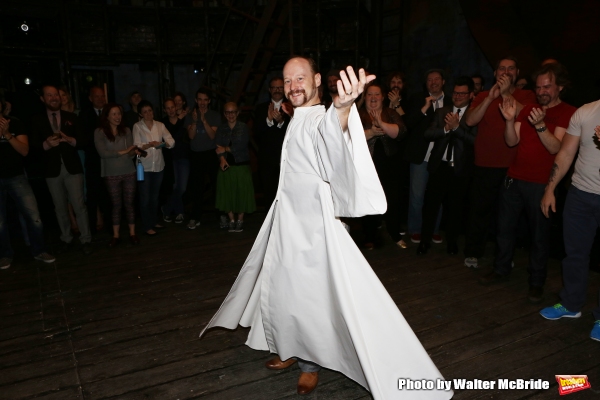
{"type": "Point", "coordinates": [292, 99]}
{"type": "Point", "coordinates": [544, 99]}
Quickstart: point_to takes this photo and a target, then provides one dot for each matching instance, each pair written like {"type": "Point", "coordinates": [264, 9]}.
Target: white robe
{"type": "Point", "coordinates": [305, 289]}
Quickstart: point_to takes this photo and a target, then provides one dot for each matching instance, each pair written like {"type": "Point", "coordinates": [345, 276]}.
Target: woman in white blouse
{"type": "Point", "coordinates": [149, 135]}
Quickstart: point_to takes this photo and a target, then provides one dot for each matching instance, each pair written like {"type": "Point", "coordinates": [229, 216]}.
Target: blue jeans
{"type": "Point", "coordinates": [416, 198]}
{"type": "Point", "coordinates": [517, 196]}
{"type": "Point", "coordinates": [18, 188]}
{"type": "Point", "coordinates": [181, 170]}
{"type": "Point", "coordinates": [581, 218]}
{"type": "Point", "coordinates": [149, 190]}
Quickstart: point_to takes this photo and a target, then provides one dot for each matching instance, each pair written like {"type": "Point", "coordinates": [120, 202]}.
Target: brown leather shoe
{"type": "Point", "coordinates": [307, 382]}
{"type": "Point", "coordinates": [276, 363]}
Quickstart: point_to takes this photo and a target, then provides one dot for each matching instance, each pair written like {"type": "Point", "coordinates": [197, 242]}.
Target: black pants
{"type": "Point", "coordinates": [483, 201]}
{"type": "Point", "coordinates": [516, 196]}
{"type": "Point", "coordinates": [444, 186]}
{"type": "Point", "coordinates": [203, 178]}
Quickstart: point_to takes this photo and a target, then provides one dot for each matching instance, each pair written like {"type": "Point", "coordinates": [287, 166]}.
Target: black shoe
{"type": "Point", "coordinates": [492, 277]}
{"type": "Point", "coordinates": [536, 294]}
{"type": "Point", "coordinates": [423, 248]}
{"type": "Point", "coordinates": [64, 248]}
{"type": "Point", "coordinates": [86, 248]}
{"type": "Point", "coordinates": [452, 248]}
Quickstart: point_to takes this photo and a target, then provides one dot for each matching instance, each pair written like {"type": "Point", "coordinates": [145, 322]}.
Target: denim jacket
{"type": "Point", "coordinates": [236, 139]}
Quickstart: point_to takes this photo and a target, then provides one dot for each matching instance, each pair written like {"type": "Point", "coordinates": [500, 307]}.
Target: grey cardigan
{"type": "Point", "coordinates": [114, 164]}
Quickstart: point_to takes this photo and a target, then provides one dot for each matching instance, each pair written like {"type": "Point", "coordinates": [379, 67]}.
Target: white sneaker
{"type": "Point", "coordinates": [179, 219]}
{"type": "Point", "coordinates": [45, 257]}
{"type": "Point", "coordinates": [5, 263]}
{"type": "Point", "coordinates": [471, 262]}
{"type": "Point", "coordinates": [193, 224]}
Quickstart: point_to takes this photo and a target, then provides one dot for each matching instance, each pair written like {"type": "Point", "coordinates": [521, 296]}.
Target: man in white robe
{"type": "Point", "coordinates": [305, 289]}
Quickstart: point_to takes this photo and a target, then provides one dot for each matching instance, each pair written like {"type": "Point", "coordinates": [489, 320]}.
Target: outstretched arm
{"type": "Point", "coordinates": [349, 88]}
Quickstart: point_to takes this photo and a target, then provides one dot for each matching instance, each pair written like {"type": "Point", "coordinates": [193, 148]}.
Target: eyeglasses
{"type": "Point", "coordinates": [230, 112]}
{"type": "Point", "coordinates": [276, 87]}
{"type": "Point", "coordinates": [460, 94]}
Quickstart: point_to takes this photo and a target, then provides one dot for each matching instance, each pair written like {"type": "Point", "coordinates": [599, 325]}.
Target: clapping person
{"type": "Point", "coordinates": [235, 193]}
{"type": "Point", "coordinates": [180, 159]}
{"type": "Point", "coordinates": [114, 143]}
{"type": "Point", "coordinates": [149, 135]}
{"type": "Point", "coordinates": [383, 129]}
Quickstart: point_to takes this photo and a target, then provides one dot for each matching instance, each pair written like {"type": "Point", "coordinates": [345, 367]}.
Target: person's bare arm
{"type": "Point", "coordinates": [475, 115]}
{"type": "Point", "coordinates": [562, 163]}
{"type": "Point", "coordinates": [20, 143]}
{"type": "Point", "coordinates": [550, 140]}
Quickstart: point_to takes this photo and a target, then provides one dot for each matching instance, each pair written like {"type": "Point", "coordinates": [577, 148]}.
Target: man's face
{"type": "Point", "coordinates": [135, 99]}
{"type": "Point", "coordinates": [435, 83]}
{"type": "Point", "coordinates": [396, 84]}
{"type": "Point", "coordinates": [203, 101]}
{"type": "Point", "coordinates": [332, 84]}
{"type": "Point", "coordinates": [477, 86]}
{"type": "Point", "coordinates": [546, 89]}
{"type": "Point", "coordinates": [170, 109]}
{"type": "Point", "coordinates": [276, 90]}
{"type": "Point", "coordinates": [51, 98]}
{"type": "Point", "coordinates": [507, 67]}
{"type": "Point", "coordinates": [300, 84]}
{"type": "Point", "coordinates": [97, 98]}
{"type": "Point", "coordinates": [461, 96]}
{"type": "Point", "coordinates": [231, 113]}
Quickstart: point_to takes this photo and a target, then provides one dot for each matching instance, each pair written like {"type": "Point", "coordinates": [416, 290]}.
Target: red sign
{"type": "Point", "coordinates": [568, 384]}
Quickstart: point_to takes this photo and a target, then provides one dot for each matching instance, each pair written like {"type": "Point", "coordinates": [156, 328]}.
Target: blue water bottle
{"type": "Point", "coordinates": [140, 169]}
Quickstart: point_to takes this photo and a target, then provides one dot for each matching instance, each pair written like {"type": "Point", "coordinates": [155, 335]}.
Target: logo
{"type": "Point", "coordinates": [568, 384]}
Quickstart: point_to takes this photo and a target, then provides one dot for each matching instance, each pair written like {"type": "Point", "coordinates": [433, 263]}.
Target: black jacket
{"type": "Point", "coordinates": [417, 123]}
{"type": "Point", "coordinates": [463, 139]}
{"type": "Point", "coordinates": [269, 139]}
{"type": "Point", "coordinates": [69, 125]}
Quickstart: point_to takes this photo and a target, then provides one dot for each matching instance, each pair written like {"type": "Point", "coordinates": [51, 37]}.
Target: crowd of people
{"type": "Point", "coordinates": [477, 159]}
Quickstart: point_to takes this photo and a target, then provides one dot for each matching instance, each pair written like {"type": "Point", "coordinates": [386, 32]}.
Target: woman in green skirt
{"type": "Point", "coordinates": [235, 192]}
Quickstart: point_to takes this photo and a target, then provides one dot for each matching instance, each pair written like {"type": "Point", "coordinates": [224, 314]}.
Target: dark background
{"type": "Point", "coordinates": [158, 47]}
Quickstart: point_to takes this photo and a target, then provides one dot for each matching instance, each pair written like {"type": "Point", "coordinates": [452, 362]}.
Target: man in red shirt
{"type": "Point", "coordinates": [536, 133]}
{"type": "Point", "coordinates": [492, 155]}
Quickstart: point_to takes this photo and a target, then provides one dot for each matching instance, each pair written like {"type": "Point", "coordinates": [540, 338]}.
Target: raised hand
{"type": "Point", "coordinates": [494, 92]}
{"type": "Point", "coordinates": [452, 121]}
{"type": "Point", "coordinates": [376, 116]}
{"type": "Point", "coordinates": [504, 84]}
{"type": "Point", "coordinates": [270, 110]}
{"type": "Point", "coordinates": [536, 116]}
{"type": "Point", "coordinates": [508, 108]}
{"type": "Point", "coordinates": [287, 108]}
{"type": "Point", "coordinates": [394, 98]}
{"type": "Point", "coordinates": [195, 115]}
{"type": "Point", "coordinates": [277, 116]}
{"type": "Point", "coordinates": [350, 87]}
{"type": "Point", "coordinates": [203, 115]}
{"type": "Point", "coordinates": [4, 125]}
{"type": "Point", "coordinates": [53, 141]}
{"type": "Point", "coordinates": [597, 131]}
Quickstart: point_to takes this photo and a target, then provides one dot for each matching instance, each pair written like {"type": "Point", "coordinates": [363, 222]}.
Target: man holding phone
{"type": "Point", "coordinates": [58, 133]}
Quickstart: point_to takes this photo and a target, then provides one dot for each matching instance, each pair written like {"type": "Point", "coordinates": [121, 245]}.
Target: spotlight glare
{"type": "Point", "coordinates": [24, 27]}
{"type": "Point", "coordinates": [27, 81]}
{"type": "Point", "coordinates": [195, 71]}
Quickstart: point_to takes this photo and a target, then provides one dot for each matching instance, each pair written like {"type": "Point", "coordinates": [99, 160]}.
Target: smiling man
{"type": "Point", "coordinates": [492, 154]}
{"type": "Point", "coordinates": [537, 133]}
{"type": "Point", "coordinates": [270, 124]}
{"type": "Point", "coordinates": [305, 289]}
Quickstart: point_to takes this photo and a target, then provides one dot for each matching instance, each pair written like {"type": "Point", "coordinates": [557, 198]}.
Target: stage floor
{"type": "Point", "coordinates": [123, 323]}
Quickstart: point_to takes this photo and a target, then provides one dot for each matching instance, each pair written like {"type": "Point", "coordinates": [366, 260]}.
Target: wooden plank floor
{"type": "Point", "coordinates": [124, 324]}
